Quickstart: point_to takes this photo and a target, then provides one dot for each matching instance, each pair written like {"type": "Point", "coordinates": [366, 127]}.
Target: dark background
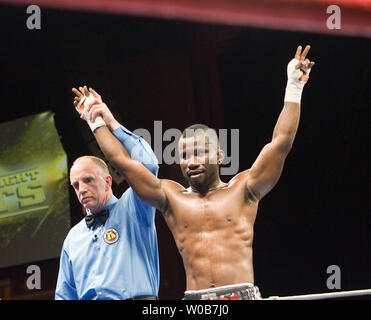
{"type": "Point", "coordinates": [227, 77]}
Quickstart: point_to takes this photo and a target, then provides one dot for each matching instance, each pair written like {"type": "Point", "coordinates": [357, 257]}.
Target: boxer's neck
{"type": "Point", "coordinates": [208, 186]}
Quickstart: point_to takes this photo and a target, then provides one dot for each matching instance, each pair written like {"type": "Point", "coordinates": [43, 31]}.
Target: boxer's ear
{"type": "Point", "coordinates": [221, 156]}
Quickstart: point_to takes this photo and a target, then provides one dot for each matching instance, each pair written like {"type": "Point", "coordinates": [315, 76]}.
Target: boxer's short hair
{"type": "Point", "coordinates": [197, 128]}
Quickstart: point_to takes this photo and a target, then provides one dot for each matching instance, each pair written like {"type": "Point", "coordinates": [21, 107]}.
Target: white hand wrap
{"type": "Point", "coordinates": [294, 87]}
{"type": "Point", "coordinates": [99, 122]}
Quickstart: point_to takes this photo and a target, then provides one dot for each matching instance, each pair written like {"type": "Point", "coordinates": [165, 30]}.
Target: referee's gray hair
{"type": "Point", "coordinates": [97, 161]}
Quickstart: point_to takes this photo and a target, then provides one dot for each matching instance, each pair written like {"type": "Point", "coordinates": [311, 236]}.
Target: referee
{"type": "Point", "coordinates": [111, 254]}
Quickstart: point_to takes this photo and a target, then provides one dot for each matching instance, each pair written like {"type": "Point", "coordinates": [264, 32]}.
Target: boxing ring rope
{"type": "Point", "coordinates": [320, 296]}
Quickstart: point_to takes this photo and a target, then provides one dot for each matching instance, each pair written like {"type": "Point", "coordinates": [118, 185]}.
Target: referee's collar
{"type": "Point", "coordinates": [108, 205]}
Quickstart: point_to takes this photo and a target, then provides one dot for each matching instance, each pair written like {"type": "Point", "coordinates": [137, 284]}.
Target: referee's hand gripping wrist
{"type": "Point", "coordinates": [84, 102]}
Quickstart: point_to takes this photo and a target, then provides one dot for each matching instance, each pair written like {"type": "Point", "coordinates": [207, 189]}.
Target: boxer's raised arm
{"type": "Point", "coordinates": [94, 108]}
{"type": "Point", "coordinates": [266, 170]}
{"type": "Point", "coordinates": [146, 185]}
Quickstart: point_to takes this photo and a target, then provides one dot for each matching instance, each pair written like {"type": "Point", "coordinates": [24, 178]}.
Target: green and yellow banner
{"type": "Point", "coordinates": [34, 202]}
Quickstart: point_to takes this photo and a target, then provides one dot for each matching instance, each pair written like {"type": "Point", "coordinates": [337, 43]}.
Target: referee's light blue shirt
{"type": "Point", "coordinates": [118, 260]}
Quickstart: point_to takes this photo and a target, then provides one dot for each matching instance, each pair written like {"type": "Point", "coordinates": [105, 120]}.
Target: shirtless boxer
{"type": "Point", "coordinates": [213, 222]}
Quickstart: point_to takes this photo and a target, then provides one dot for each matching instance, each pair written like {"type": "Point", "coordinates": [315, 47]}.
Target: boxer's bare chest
{"type": "Point", "coordinates": [220, 209]}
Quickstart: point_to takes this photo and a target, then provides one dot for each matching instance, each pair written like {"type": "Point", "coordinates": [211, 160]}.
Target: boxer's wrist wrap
{"type": "Point", "coordinates": [294, 87]}
{"type": "Point", "coordinates": [99, 122]}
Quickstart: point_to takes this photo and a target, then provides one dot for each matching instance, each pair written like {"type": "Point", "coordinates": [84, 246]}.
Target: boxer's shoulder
{"type": "Point", "coordinates": [239, 178]}
{"type": "Point", "coordinates": [171, 185]}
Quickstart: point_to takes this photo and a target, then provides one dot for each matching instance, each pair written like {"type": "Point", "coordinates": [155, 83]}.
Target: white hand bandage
{"type": "Point", "coordinates": [294, 87]}
{"type": "Point", "coordinates": [99, 122]}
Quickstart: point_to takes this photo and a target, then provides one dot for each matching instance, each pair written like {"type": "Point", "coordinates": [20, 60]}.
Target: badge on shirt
{"type": "Point", "coordinates": [111, 236]}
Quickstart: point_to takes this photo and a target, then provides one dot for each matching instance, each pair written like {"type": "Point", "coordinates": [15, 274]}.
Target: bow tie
{"type": "Point", "coordinates": [102, 215]}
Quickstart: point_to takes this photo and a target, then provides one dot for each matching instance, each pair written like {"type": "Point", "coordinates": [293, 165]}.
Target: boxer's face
{"type": "Point", "coordinates": [199, 159]}
{"type": "Point", "coordinates": [90, 184]}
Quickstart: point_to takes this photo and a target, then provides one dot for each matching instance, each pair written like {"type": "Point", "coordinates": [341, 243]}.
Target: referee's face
{"type": "Point", "coordinates": [92, 187]}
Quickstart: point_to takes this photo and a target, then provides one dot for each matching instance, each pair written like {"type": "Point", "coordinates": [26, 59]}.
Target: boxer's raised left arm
{"type": "Point", "coordinates": [267, 168]}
